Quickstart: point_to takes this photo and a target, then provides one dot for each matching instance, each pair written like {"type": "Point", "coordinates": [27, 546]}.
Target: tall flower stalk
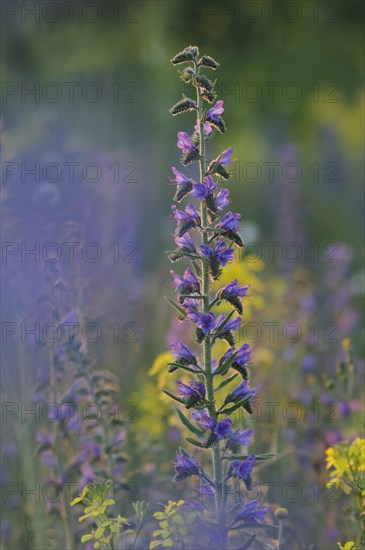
{"type": "Point", "coordinates": [204, 238]}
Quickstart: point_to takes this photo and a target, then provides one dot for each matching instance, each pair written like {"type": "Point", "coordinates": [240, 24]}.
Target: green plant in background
{"type": "Point", "coordinates": [346, 462]}
{"type": "Point", "coordinates": [107, 532]}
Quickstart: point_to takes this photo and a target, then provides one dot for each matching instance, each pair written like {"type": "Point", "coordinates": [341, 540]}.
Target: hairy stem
{"type": "Point", "coordinates": [207, 344]}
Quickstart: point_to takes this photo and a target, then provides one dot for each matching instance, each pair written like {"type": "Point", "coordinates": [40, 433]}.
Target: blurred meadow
{"type": "Point", "coordinates": [87, 147]}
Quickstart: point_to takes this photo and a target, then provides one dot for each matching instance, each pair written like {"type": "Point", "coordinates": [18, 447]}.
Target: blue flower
{"type": "Point", "coordinates": [242, 469]}
{"type": "Point", "coordinates": [251, 513]}
{"type": "Point", "coordinates": [206, 322]}
{"type": "Point", "coordinates": [224, 157]}
{"type": "Point", "coordinates": [241, 392]}
{"type": "Point", "coordinates": [221, 199]}
{"type": "Point", "coordinates": [215, 112]}
{"type": "Point", "coordinates": [185, 243]}
{"type": "Point", "coordinates": [222, 428]}
{"type": "Point", "coordinates": [243, 355]}
{"type": "Point", "coordinates": [207, 128]}
{"type": "Point", "coordinates": [233, 324]}
{"type": "Point", "coordinates": [185, 466]}
{"type": "Point", "coordinates": [187, 283]}
{"type": "Point", "coordinates": [182, 354]}
{"type": "Point", "coordinates": [239, 438]}
{"type": "Point", "coordinates": [192, 393]}
{"type": "Point", "coordinates": [230, 221]}
{"type": "Point", "coordinates": [179, 177]}
{"type": "Point", "coordinates": [202, 190]}
{"type": "Point", "coordinates": [203, 419]}
{"type": "Point", "coordinates": [184, 142]}
{"type": "Point", "coordinates": [235, 289]}
{"type": "Point", "coordinates": [223, 254]}
{"type": "Point", "coordinates": [186, 220]}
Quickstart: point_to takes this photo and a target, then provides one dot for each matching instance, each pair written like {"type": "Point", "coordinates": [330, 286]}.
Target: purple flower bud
{"type": "Point", "coordinates": [243, 355]}
{"type": "Point", "coordinates": [187, 283]}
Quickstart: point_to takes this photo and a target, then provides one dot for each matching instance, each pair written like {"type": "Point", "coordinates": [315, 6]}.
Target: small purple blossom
{"type": "Point", "coordinates": [243, 355]}
{"type": "Point", "coordinates": [187, 283]}
{"type": "Point", "coordinates": [242, 469]}
{"type": "Point", "coordinates": [225, 157]}
{"type": "Point", "coordinates": [185, 243]}
{"type": "Point", "coordinates": [206, 322]}
{"type": "Point", "coordinates": [184, 142]}
{"type": "Point", "coordinates": [251, 512]}
{"type": "Point", "coordinates": [190, 213]}
{"type": "Point", "coordinates": [233, 324]}
{"type": "Point", "coordinates": [216, 111]}
{"type": "Point", "coordinates": [195, 390]}
{"type": "Point", "coordinates": [223, 428]}
{"type": "Point", "coordinates": [230, 221]}
{"type": "Point", "coordinates": [221, 199]}
{"type": "Point", "coordinates": [207, 128]}
{"type": "Point", "coordinates": [179, 179]}
{"type": "Point", "coordinates": [185, 466]}
{"type": "Point", "coordinates": [235, 289]}
{"type": "Point", "coordinates": [242, 391]}
{"type": "Point", "coordinates": [183, 354]}
{"type": "Point", "coordinates": [202, 190]}
{"type": "Point", "coordinates": [240, 437]}
{"type": "Point", "coordinates": [221, 253]}
{"type": "Point", "coordinates": [203, 419]}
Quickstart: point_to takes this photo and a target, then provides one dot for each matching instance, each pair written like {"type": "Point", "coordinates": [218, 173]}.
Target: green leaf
{"type": "Point", "coordinates": [236, 405]}
{"type": "Point", "coordinates": [85, 538]}
{"type": "Point", "coordinates": [176, 306]}
{"type": "Point", "coordinates": [195, 442]}
{"type": "Point", "coordinates": [255, 525]}
{"type": "Point", "coordinates": [170, 394]}
{"type": "Point", "coordinates": [266, 456]}
{"type": "Point", "coordinates": [248, 543]}
{"type": "Point", "coordinates": [225, 382]}
{"type": "Point", "coordinates": [188, 424]}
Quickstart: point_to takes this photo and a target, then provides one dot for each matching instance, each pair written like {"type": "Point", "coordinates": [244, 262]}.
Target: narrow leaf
{"type": "Point", "coordinates": [188, 424]}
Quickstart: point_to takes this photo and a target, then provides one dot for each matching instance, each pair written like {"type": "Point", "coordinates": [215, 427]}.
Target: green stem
{"type": "Point", "coordinates": [207, 344]}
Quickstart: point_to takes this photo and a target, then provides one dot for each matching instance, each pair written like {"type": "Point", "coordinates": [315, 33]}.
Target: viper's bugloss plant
{"type": "Point", "coordinates": [205, 237]}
